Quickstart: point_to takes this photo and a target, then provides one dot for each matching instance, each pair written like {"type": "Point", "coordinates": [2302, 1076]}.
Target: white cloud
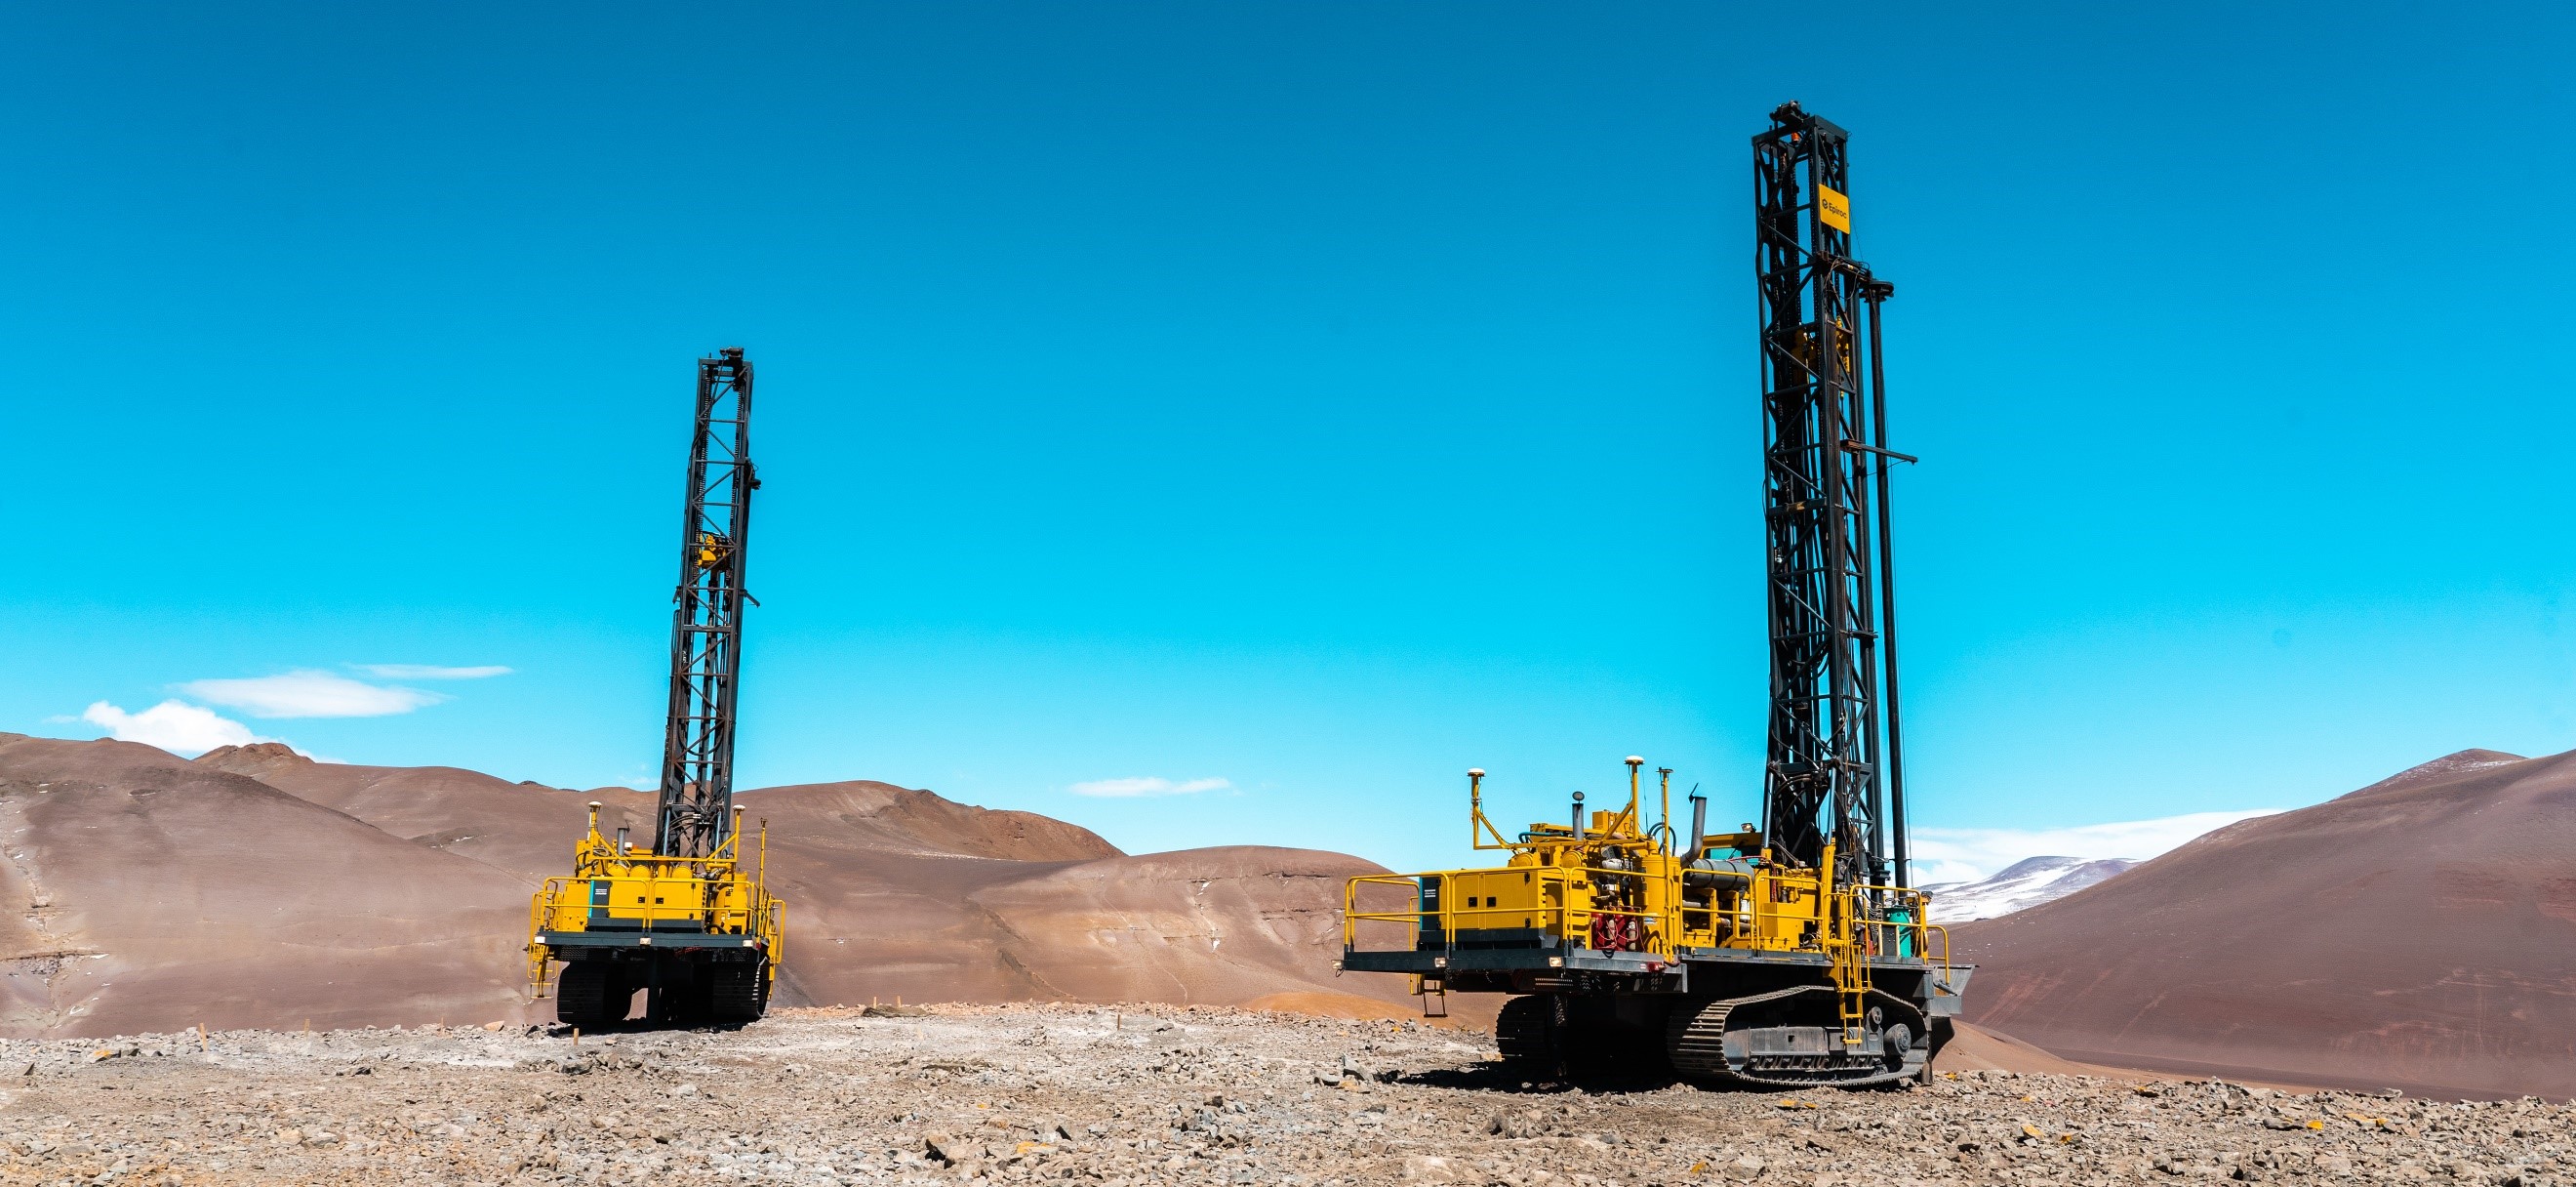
{"type": "Point", "coordinates": [176, 726]}
{"type": "Point", "coordinates": [430, 671]}
{"type": "Point", "coordinates": [309, 694]}
{"type": "Point", "coordinates": [1969, 854]}
{"type": "Point", "coordinates": [1122, 788]}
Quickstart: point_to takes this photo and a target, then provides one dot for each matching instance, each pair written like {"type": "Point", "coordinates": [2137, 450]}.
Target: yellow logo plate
{"type": "Point", "coordinates": [1833, 208]}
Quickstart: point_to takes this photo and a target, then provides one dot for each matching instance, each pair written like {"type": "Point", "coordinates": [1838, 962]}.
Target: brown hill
{"type": "Point", "coordinates": [530, 828]}
{"type": "Point", "coordinates": [149, 893]}
{"type": "Point", "coordinates": [1209, 926]}
{"type": "Point", "coordinates": [2419, 933]}
{"type": "Point", "coordinates": [891, 892]}
{"type": "Point", "coordinates": [868, 814]}
{"type": "Point", "coordinates": [899, 893]}
{"type": "Point", "coordinates": [521, 827]}
{"type": "Point", "coordinates": [1202, 925]}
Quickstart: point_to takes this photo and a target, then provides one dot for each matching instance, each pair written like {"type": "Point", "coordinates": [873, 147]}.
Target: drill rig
{"type": "Point", "coordinates": [1788, 953]}
{"type": "Point", "coordinates": [689, 921]}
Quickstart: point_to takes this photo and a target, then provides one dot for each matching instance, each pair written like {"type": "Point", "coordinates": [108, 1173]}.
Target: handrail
{"type": "Point", "coordinates": [1741, 919]}
{"type": "Point", "coordinates": [1447, 915]}
{"type": "Point", "coordinates": [1946, 967]}
{"type": "Point", "coordinates": [1352, 916]}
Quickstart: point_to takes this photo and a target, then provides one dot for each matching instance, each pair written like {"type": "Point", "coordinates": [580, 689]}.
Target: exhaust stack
{"type": "Point", "coordinates": [1699, 829]}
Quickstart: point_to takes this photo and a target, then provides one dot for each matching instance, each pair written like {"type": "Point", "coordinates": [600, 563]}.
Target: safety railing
{"type": "Point", "coordinates": [1864, 906]}
{"type": "Point", "coordinates": [1353, 917]}
{"type": "Point", "coordinates": [1558, 918]}
{"type": "Point", "coordinates": [1925, 951]}
{"type": "Point", "coordinates": [1872, 904]}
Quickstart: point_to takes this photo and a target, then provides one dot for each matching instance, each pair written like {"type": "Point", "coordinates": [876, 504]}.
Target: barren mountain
{"type": "Point", "coordinates": [152, 893]}
{"type": "Point", "coordinates": [521, 827]}
{"type": "Point", "coordinates": [530, 828]}
{"type": "Point", "coordinates": [2419, 933]}
{"type": "Point", "coordinates": [256, 887]}
{"type": "Point", "coordinates": [865, 814]}
{"type": "Point", "coordinates": [894, 892]}
{"type": "Point", "coordinates": [1229, 924]}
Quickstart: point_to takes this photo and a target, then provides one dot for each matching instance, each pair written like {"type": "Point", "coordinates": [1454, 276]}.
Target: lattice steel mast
{"type": "Point", "coordinates": [1771, 957]}
{"type": "Point", "coordinates": [1833, 771]}
{"type": "Point", "coordinates": [706, 625]}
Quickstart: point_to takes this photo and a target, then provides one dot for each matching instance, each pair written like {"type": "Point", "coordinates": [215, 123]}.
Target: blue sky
{"type": "Point", "coordinates": [1293, 403]}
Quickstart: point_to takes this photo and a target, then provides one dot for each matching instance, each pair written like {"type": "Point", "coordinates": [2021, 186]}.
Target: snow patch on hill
{"type": "Point", "coordinates": [2026, 883]}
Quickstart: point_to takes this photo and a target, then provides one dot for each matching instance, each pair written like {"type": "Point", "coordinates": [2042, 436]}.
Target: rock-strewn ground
{"type": "Point", "coordinates": [1042, 1093]}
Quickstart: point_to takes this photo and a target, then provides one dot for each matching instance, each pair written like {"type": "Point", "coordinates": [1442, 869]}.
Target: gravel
{"type": "Point", "coordinates": [1138, 1095]}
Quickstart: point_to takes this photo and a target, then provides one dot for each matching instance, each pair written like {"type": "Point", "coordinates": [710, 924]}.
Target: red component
{"type": "Point", "coordinates": [1612, 933]}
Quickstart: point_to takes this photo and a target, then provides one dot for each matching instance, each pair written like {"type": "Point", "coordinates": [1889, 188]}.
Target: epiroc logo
{"type": "Point", "coordinates": [1833, 208]}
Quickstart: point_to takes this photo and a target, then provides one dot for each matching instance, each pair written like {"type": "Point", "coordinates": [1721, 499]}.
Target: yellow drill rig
{"type": "Point", "coordinates": [686, 922]}
{"type": "Point", "coordinates": [1721, 961]}
{"type": "Point", "coordinates": [1785, 954]}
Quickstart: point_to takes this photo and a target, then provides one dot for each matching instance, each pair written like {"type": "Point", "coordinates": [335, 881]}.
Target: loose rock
{"type": "Point", "coordinates": [1198, 1097]}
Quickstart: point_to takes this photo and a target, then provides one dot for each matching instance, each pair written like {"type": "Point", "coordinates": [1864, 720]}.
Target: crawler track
{"type": "Point", "coordinates": [1695, 1039]}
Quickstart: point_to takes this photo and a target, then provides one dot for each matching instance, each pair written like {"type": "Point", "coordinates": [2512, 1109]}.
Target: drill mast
{"type": "Point", "coordinates": [1770, 957]}
{"type": "Point", "coordinates": [1834, 768]}
{"type": "Point", "coordinates": [690, 923]}
{"type": "Point", "coordinates": [706, 624]}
